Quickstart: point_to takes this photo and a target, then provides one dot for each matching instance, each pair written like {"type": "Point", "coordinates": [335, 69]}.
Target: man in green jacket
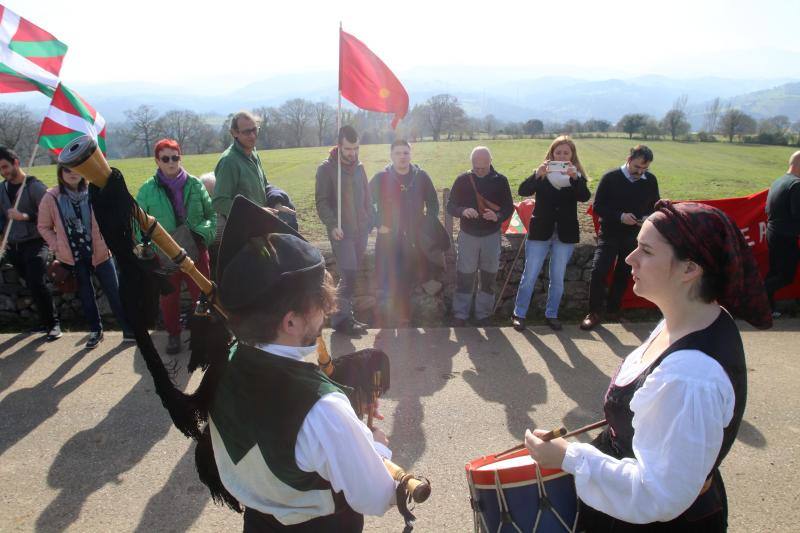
{"type": "Point", "coordinates": [239, 169]}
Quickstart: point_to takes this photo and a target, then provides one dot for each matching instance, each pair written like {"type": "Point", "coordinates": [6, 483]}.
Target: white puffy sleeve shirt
{"type": "Point", "coordinates": [678, 419]}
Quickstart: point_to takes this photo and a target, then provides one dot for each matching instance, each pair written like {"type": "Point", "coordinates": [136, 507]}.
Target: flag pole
{"type": "Point", "coordinates": [339, 148]}
{"type": "Point", "coordinates": [33, 155]}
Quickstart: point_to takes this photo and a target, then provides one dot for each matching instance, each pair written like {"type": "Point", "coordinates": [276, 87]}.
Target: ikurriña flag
{"type": "Point", "coordinates": [69, 117]}
{"type": "Point", "coordinates": [30, 57]}
{"type": "Point", "coordinates": [367, 82]}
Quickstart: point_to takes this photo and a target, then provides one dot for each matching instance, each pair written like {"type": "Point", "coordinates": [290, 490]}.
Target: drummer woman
{"type": "Point", "coordinates": [676, 402]}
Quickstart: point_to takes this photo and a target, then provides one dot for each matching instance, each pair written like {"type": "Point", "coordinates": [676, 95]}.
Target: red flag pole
{"type": "Point", "coordinates": [338, 149]}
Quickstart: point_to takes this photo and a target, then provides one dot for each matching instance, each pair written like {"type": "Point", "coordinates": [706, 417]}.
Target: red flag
{"type": "Point", "coordinates": [367, 82]}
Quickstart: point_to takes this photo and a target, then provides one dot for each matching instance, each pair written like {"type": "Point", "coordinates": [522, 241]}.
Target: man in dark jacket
{"type": "Point", "coordinates": [349, 229]}
{"type": "Point", "coordinates": [783, 229]}
{"type": "Point", "coordinates": [403, 196]}
{"type": "Point", "coordinates": [26, 250]}
{"type": "Point", "coordinates": [625, 197]}
{"type": "Point", "coordinates": [481, 199]}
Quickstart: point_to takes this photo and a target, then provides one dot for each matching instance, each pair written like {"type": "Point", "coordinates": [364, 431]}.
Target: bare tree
{"type": "Point", "coordinates": [297, 113]}
{"type": "Point", "coordinates": [675, 123]}
{"type": "Point", "coordinates": [651, 129]}
{"type": "Point", "coordinates": [144, 127]}
{"type": "Point", "coordinates": [180, 124]}
{"type": "Point", "coordinates": [778, 124]}
{"type": "Point", "coordinates": [736, 122]}
{"type": "Point", "coordinates": [441, 113]}
{"type": "Point", "coordinates": [18, 129]}
{"type": "Point", "coordinates": [204, 139]}
{"type": "Point", "coordinates": [533, 127]}
{"type": "Point", "coordinates": [324, 117]}
{"type": "Point", "coordinates": [632, 123]}
{"type": "Point", "coordinates": [491, 125]}
{"type": "Point", "coordinates": [712, 115]}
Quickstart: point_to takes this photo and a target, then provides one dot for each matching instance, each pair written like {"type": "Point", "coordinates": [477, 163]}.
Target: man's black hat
{"type": "Point", "coordinates": [258, 251]}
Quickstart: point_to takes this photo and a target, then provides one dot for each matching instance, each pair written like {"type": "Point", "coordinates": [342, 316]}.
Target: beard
{"type": "Point", "coordinates": [311, 335]}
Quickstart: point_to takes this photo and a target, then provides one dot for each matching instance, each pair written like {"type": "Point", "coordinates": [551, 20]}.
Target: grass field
{"type": "Point", "coordinates": [684, 170]}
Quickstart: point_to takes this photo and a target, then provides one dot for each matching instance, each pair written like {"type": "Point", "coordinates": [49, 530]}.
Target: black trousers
{"type": "Point", "coordinates": [344, 521]}
{"type": "Point", "coordinates": [784, 254]}
{"type": "Point", "coordinates": [610, 249]}
{"type": "Point", "coordinates": [29, 259]}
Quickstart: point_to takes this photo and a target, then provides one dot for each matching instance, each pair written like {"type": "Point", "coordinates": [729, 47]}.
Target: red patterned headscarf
{"type": "Point", "coordinates": [706, 235]}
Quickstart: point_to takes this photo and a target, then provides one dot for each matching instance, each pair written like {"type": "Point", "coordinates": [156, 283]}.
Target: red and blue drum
{"type": "Point", "coordinates": [514, 495]}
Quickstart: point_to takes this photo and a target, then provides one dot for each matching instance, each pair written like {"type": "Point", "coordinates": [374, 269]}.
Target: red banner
{"type": "Point", "coordinates": [749, 215]}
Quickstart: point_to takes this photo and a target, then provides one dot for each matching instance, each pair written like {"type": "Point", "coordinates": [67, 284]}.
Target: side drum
{"type": "Point", "coordinates": [515, 495]}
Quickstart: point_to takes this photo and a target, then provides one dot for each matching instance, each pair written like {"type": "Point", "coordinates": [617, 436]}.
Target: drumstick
{"type": "Point", "coordinates": [556, 433]}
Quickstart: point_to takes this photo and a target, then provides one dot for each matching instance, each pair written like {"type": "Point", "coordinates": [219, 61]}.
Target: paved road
{"type": "Point", "coordinates": [86, 446]}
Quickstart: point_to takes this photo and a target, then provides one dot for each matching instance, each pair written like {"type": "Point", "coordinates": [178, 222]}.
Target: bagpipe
{"type": "Point", "coordinates": [365, 373]}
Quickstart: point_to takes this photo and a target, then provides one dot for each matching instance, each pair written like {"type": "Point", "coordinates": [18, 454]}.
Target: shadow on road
{"type": "Point", "coordinates": [179, 502]}
{"type": "Point", "coordinates": [750, 435]}
{"type": "Point", "coordinates": [505, 381]}
{"type": "Point", "coordinates": [422, 363]}
{"type": "Point", "coordinates": [579, 379]}
{"type": "Point", "coordinates": [13, 364]}
{"type": "Point", "coordinates": [101, 455]}
{"type": "Point", "coordinates": [23, 410]}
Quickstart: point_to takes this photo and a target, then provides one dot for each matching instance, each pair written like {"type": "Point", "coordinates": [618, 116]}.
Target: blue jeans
{"type": "Point", "coordinates": [106, 274]}
{"type": "Point", "coordinates": [535, 254]}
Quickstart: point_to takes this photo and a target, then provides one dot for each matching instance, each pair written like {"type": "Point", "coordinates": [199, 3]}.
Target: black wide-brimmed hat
{"type": "Point", "coordinates": [257, 252]}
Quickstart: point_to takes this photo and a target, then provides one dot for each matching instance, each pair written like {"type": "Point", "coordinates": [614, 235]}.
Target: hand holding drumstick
{"type": "Point", "coordinates": [548, 448]}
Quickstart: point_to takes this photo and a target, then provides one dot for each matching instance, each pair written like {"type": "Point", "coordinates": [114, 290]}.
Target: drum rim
{"type": "Point", "coordinates": [512, 475]}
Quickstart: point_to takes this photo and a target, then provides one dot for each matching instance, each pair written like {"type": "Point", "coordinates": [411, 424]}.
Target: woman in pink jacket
{"type": "Point", "coordinates": [68, 225]}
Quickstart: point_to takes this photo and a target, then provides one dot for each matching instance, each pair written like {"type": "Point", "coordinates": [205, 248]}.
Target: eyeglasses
{"type": "Point", "coordinates": [250, 131]}
{"type": "Point", "coordinates": [167, 158]}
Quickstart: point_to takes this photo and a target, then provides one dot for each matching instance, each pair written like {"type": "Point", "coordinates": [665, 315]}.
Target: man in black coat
{"type": "Point", "coordinates": [625, 197]}
{"type": "Point", "coordinates": [783, 229]}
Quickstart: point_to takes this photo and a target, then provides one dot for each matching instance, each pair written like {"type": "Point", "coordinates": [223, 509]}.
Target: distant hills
{"type": "Point", "coordinates": [507, 93]}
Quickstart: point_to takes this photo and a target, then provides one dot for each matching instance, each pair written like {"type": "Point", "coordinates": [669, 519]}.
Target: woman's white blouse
{"type": "Point", "coordinates": [678, 419]}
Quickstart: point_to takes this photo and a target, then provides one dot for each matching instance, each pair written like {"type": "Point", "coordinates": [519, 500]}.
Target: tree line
{"type": "Point", "coordinates": [300, 123]}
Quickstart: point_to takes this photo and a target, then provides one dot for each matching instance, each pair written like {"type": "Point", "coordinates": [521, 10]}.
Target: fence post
{"type": "Point", "coordinates": [448, 220]}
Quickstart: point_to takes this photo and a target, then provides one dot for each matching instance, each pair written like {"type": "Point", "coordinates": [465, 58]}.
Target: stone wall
{"type": "Point", "coordinates": [431, 302]}
{"type": "Point", "coordinates": [17, 310]}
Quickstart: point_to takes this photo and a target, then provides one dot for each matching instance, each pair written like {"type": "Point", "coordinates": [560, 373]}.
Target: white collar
{"type": "Point", "coordinates": [627, 173]}
{"type": "Point", "coordinates": [297, 353]}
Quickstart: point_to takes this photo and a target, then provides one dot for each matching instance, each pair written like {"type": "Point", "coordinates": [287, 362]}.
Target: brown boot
{"type": "Point", "coordinates": [591, 320]}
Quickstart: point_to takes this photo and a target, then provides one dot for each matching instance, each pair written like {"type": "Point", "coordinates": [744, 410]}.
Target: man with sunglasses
{"type": "Point", "coordinates": [239, 171]}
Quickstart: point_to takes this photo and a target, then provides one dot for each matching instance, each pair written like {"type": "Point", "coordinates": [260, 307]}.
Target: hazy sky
{"type": "Point", "coordinates": [227, 44]}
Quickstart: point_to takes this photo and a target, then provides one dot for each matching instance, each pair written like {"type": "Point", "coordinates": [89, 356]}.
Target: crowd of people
{"type": "Point", "coordinates": [400, 203]}
{"type": "Point", "coordinates": [673, 407]}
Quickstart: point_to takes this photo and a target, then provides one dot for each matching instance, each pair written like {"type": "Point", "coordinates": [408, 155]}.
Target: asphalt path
{"type": "Point", "coordinates": [86, 446]}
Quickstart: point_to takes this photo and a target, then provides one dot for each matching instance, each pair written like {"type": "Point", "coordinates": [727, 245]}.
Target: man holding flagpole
{"type": "Point", "coordinates": [20, 196]}
{"type": "Point", "coordinates": [349, 227]}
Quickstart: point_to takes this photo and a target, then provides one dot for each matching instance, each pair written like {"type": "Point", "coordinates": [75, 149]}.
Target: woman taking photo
{"type": "Point", "coordinates": [553, 227]}
{"type": "Point", "coordinates": [676, 402]}
{"type": "Point", "coordinates": [68, 225]}
{"type": "Point", "coordinates": [182, 206]}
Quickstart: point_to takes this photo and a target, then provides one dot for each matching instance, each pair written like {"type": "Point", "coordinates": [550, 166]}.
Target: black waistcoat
{"type": "Point", "coordinates": [722, 342]}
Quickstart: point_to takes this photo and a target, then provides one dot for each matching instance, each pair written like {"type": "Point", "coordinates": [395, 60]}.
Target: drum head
{"type": "Point", "coordinates": [518, 467]}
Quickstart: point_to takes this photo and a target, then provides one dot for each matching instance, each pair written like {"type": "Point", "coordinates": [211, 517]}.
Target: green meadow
{"type": "Point", "coordinates": [684, 170]}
